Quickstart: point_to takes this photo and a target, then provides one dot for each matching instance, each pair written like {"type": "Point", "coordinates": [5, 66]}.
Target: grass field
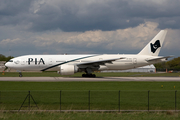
{"type": "Point", "coordinates": [104, 95]}
{"type": "Point", "coordinates": [83, 86]}
{"type": "Point", "coordinates": [89, 116]}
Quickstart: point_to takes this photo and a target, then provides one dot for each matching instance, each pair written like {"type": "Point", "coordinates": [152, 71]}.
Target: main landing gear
{"type": "Point", "coordinates": [88, 72]}
{"type": "Point", "coordinates": [88, 75]}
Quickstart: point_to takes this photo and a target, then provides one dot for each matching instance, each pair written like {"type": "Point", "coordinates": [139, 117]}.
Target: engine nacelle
{"type": "Point", "coordinates": [68, 69]}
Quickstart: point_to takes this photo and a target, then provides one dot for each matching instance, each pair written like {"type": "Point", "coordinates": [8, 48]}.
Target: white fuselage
{"type": "Point", "coordinates": [53, 62]}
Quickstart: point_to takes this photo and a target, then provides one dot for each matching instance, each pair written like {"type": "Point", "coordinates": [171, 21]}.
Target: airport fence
{"type": "Point", "coordinates": [90, 100]}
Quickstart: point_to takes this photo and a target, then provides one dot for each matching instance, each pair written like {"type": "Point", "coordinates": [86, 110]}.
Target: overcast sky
{"type": "Point", "coordinates": [87, 26]}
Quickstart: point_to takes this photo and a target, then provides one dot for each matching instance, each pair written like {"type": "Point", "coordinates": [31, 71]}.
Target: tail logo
{"type": "Point", "coordinates": [155, 46]}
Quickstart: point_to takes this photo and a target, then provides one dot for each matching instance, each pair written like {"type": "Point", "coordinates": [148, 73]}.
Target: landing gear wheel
{"type": "Point", "coordinates": [88, 75]}
{"type": "Point", "coordinates": [20, 75]}
{"type": "Point", "coordinates": [94, 75]}
{"type": "Point", "coordinates": [83, 75]}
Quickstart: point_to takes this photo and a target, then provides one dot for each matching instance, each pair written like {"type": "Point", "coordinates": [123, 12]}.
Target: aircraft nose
{"type": "Point", "coordinates": [7, 64]}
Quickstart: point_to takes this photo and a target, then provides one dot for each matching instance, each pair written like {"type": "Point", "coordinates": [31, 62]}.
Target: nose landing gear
{"type": "Point", "coordinates": [20, 74]}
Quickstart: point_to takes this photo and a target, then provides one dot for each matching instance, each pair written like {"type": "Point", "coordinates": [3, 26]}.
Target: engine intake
{"type": "Point", "coordinates": [68, 69]}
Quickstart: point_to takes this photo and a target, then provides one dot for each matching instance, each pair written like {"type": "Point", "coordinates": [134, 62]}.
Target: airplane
{"type": "Point", "coordinates": [70, 64]}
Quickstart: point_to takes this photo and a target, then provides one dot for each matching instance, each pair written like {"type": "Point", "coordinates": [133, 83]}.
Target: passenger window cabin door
{"type": "Point", "coordinates": [23, 62]}
{"type": "Point", "coordinates": [50, 61]}
{"type": "Point", "coordinates": [134, 60]}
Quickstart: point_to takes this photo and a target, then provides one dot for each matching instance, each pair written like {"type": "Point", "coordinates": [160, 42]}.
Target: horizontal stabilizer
{"type": "Point", "coordinates": [159, 58]}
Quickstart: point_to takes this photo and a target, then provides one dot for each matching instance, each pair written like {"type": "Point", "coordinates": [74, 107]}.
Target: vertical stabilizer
{"type": "Point", "coordinates": [154, 46]}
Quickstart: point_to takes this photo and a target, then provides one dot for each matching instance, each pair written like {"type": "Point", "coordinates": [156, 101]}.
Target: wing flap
{"type": "Point", "coordinates": [99, 62]}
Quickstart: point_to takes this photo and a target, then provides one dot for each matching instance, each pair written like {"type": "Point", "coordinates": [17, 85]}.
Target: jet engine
{"type": "Point", "coordinates": [68, 69]}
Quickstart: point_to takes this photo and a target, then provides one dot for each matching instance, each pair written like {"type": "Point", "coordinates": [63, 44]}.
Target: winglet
{"type": "Point", "coordinates": [154, 46]}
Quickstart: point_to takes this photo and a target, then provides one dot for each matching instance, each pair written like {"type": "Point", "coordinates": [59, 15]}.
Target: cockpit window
{"type": "Point", "coordinates": [10, 61]}
{"type": "Point", "coordinates": [16, 62]}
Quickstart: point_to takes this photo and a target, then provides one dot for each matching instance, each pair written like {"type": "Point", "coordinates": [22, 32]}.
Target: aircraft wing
{"type": "Point", "coordinates": [159, 58]}
{"type": "Point", "coordinates": [99, 62]}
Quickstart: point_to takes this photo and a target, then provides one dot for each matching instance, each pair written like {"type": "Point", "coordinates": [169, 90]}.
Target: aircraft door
{"type": "Point", "coordinates": [23, 61]}
{"type": "Point", "coordinates": [50, 61]}
{"type": "Point", "coordinates": [134, 60]}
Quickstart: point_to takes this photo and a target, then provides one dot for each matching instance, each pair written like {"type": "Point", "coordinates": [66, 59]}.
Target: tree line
{"type": "Point", "coordinates": [4, 58]}
{"type": "Point", "coordinates": [173, 64]}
